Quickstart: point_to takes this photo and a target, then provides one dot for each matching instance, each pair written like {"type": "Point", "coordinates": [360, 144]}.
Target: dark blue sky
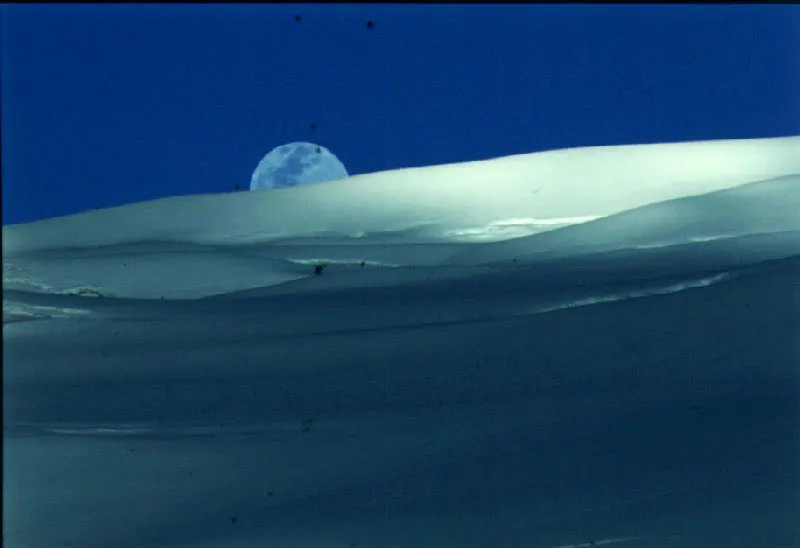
{"type": "Point", "coordinates": [105, 105]}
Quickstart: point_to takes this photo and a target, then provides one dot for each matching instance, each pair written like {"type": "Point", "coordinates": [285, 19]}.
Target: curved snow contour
{"type": "Point", "coordinates": [569, 183]}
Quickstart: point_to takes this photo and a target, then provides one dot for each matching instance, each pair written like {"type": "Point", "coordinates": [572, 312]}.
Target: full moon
{"type": "Point", "coordinates": [295, 164]}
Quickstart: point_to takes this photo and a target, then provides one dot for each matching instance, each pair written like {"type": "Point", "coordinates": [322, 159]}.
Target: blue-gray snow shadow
{"type": "Point", "coordinates": [452, 409]}
{"type": "Point", "coordinates": [672, 417]}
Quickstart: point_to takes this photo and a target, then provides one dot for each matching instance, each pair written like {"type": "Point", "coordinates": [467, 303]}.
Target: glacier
{"type": "Point", "coordinates": [577, 347]}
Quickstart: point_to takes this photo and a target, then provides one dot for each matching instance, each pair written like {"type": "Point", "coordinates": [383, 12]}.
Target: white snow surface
{"type": "Point", "coordinates": [213, 244]}
{"type": "Point", "coordinates": [580, 347]}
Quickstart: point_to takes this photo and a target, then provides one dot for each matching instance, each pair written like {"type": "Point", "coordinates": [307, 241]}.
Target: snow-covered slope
{"type": "Point", "coordinates": [763, 207]}
{"type": "Point", "coordinates": [474, 196]}
{"type": "Point", "coordinates": [574, 348]}
{"type": "Point", "coordinates": [414, 217]}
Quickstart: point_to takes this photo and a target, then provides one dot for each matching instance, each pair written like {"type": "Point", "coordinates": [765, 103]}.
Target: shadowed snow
{"type": "Point", "coordinates": [577, 348]}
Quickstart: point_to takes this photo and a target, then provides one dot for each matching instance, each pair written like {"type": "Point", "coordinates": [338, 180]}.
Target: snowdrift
{"type": "Point", "coordinates": [573, 348]}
